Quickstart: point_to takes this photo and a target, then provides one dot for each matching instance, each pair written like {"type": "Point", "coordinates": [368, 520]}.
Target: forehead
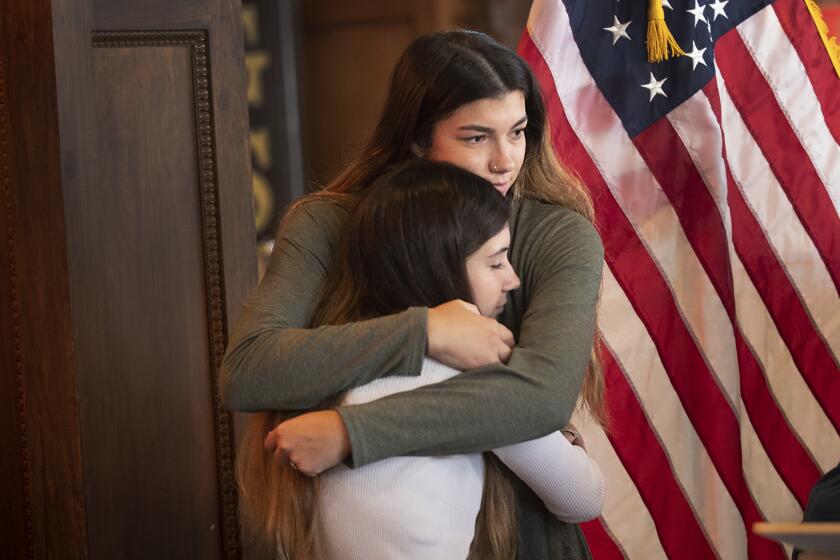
{"type": "Point", "coordinates": [499, 241]}
{"type": "Point", "coordinates": [495, 112]}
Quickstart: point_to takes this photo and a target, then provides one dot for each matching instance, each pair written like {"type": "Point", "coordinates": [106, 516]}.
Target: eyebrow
{"type": "Point", "coordinates": [499, 252]}
{"type": "Point", "coordinates": [487, 129]}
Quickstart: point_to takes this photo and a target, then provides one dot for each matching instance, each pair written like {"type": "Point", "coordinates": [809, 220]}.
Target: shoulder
{"type": "Point", "coordinates": [311, 226]}
{"type": "Point", "coordinates": [555, 229]}
{"type": "Point", "coordinates": [317, 212]}
{"type": "Point", "coordinates": [314, 221]}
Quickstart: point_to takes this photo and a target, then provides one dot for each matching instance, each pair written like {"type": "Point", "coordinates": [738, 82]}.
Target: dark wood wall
{"type": "Point", "coordinates": [127, 248]}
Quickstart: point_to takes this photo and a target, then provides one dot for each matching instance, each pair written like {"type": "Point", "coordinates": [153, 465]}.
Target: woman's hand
{"type": "Point", "coordinates": [311, 443]}
{"type": "Point", "coordinates": [461, 338]}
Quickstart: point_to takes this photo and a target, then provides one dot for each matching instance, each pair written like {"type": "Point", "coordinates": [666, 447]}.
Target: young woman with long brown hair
{"type": "Point", "coordinates": [422, 235]}
{"type": "Point", "coordinates": [457, 97]}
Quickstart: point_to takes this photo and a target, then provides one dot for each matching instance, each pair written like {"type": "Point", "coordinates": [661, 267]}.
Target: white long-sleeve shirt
{"type": "Point", "coordinates": [426, 507]}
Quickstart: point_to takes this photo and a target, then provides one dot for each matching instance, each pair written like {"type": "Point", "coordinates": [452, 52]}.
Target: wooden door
{"type": "Point", "coordinates": [127, 249]}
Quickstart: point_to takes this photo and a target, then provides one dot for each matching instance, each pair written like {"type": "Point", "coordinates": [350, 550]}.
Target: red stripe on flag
{"type": "Point", "coordinates": [809, 351]}
{"type": "Point", "coordinates": [802, 33]}
{"type": "Point", "coordinates": [647, 464]}
{"type": "Point", "coordinates": [601, 543]}
{"type": "Point", "coordinates": [669, 161]}
{"type": "Point", "coordinates": [787, 158]}
{"type": "Point", "coordinates": [671, 164]}
{"type": "Point", "coordinates": [634, 269]}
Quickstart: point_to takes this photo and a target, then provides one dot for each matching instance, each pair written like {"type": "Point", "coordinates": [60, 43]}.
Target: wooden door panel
{"type": "Point", "coordinates": [143, 344]}
{"type": "Point", "coordinates": [135, 176]}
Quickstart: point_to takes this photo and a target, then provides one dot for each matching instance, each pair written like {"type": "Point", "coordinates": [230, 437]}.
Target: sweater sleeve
{"type": "Point", "coordinates": [560, 259]}
{"type": "Point", "coordinates": [566, 479]}
{"type": "Point", "coordinates": [274, 361]}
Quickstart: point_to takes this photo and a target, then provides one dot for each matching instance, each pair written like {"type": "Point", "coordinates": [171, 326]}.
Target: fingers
{"type": "Point", "coordinates": [505, 335]}
{"type": "Point", "coordinates": [504, 352]}
{"type": "Point", "coordinates": [469, 307]}
{"type": "Point", "coordinates": [281, 457]}
{"type": "Point", "coordinates": [459, 336]}
{"type": "Point", "coordinates": [270, 441]}
{"type": "Point", "coordinates": [300, 464]}
{"type": "Point", "coordinates": [272, 445]}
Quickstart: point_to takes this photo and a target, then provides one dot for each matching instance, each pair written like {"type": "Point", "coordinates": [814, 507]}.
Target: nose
{"type": "Point", "coordinates": [501, 160]}
{"type": "Point", "coordinates": [511, 280]}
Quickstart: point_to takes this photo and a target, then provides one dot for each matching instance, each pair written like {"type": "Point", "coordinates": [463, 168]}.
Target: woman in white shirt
{"type": "Point", "coordinates": [424, 234]}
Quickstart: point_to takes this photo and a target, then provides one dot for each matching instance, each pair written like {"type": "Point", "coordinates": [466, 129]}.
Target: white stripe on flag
{"type": "Point", "coordinates": [695, 123]}
{"type": "Point", "coordinates": [779, 63]}
{"type": "Point", "coordinates": [625, 514]}
{"type": "Point", "coordinates": [773, 498]}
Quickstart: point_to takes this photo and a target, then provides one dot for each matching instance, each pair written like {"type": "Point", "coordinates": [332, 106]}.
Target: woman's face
{"type": "Point", "coordinates": [491, 275]}
{"type": "Point", "coordinates": [485, 137]}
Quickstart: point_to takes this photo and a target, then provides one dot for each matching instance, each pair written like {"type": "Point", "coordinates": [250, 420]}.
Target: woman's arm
{"type": "Point", "coordinates": [559, 257]}
{"type": "Point", "coordinates": [565, 478]}
{"type": "Point", "coordinates": [274, 361]}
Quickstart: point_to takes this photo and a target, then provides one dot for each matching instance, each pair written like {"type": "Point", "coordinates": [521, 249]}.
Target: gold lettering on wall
{"type": "Point", "coordinates": [256, 63]}
{"type": "Point", "coordinates": [263, 200]}
{"type": "Point", "coordinates": [251, 24]}
{"type": "Point", "coordinates": [261, 147]}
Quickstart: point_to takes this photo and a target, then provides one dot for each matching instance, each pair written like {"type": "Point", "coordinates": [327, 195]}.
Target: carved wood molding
{"type": "Point", "coordinates": [9, 207]}
{"type": "Point", "coordinates": [197, 41]}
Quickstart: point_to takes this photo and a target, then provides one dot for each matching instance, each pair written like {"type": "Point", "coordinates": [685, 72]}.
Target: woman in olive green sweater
{"type": "Point", "coordinates": [462, 98]}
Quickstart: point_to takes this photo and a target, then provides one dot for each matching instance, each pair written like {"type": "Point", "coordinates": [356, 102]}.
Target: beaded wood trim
{"type": "Point", "coordinates": [9, 207]}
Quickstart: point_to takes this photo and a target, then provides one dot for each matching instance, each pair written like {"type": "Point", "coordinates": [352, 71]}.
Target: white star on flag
{"type": "Point", "coordinates": [696, 56]}
{"type": "Point", "coordinates": [697, 12]}
{"type": "Point", "coordinates": [655, 87]}
{"type": "Point", "coordinates": [718, 7]}
{"type": "Point", "coordinates": [666, 4]}
{"type": "Point", "coordinates": [618, 30]}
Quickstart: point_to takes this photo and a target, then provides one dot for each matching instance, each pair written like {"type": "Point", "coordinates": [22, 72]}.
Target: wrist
{"type": "Point", "coordinates": [350, 433]}
{"type": "Point", "coordinates": [431, 327]}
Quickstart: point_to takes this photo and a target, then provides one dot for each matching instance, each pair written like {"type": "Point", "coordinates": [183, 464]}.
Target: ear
{"type": "Point", "coordinates": [417, 150]}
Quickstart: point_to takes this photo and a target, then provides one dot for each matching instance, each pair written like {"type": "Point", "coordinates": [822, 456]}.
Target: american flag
{"type": "Point", "coordinates": [716, 182]}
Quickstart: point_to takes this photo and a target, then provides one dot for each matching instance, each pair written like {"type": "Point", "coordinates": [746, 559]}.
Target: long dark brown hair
{"type": "Point", "coordinates": [405, 244]}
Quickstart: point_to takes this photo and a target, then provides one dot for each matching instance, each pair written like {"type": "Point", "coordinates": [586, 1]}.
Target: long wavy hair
{"type": "Point", "coordinates": [406, 244]}
{"type": "Point", "coordinates": [437, 74]}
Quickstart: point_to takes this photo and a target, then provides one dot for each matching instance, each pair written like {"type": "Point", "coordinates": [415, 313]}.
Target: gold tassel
{"type": "Point", "coordinates": [661, 45]}
{"type": "Point", "coordinates": [830, 42]}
